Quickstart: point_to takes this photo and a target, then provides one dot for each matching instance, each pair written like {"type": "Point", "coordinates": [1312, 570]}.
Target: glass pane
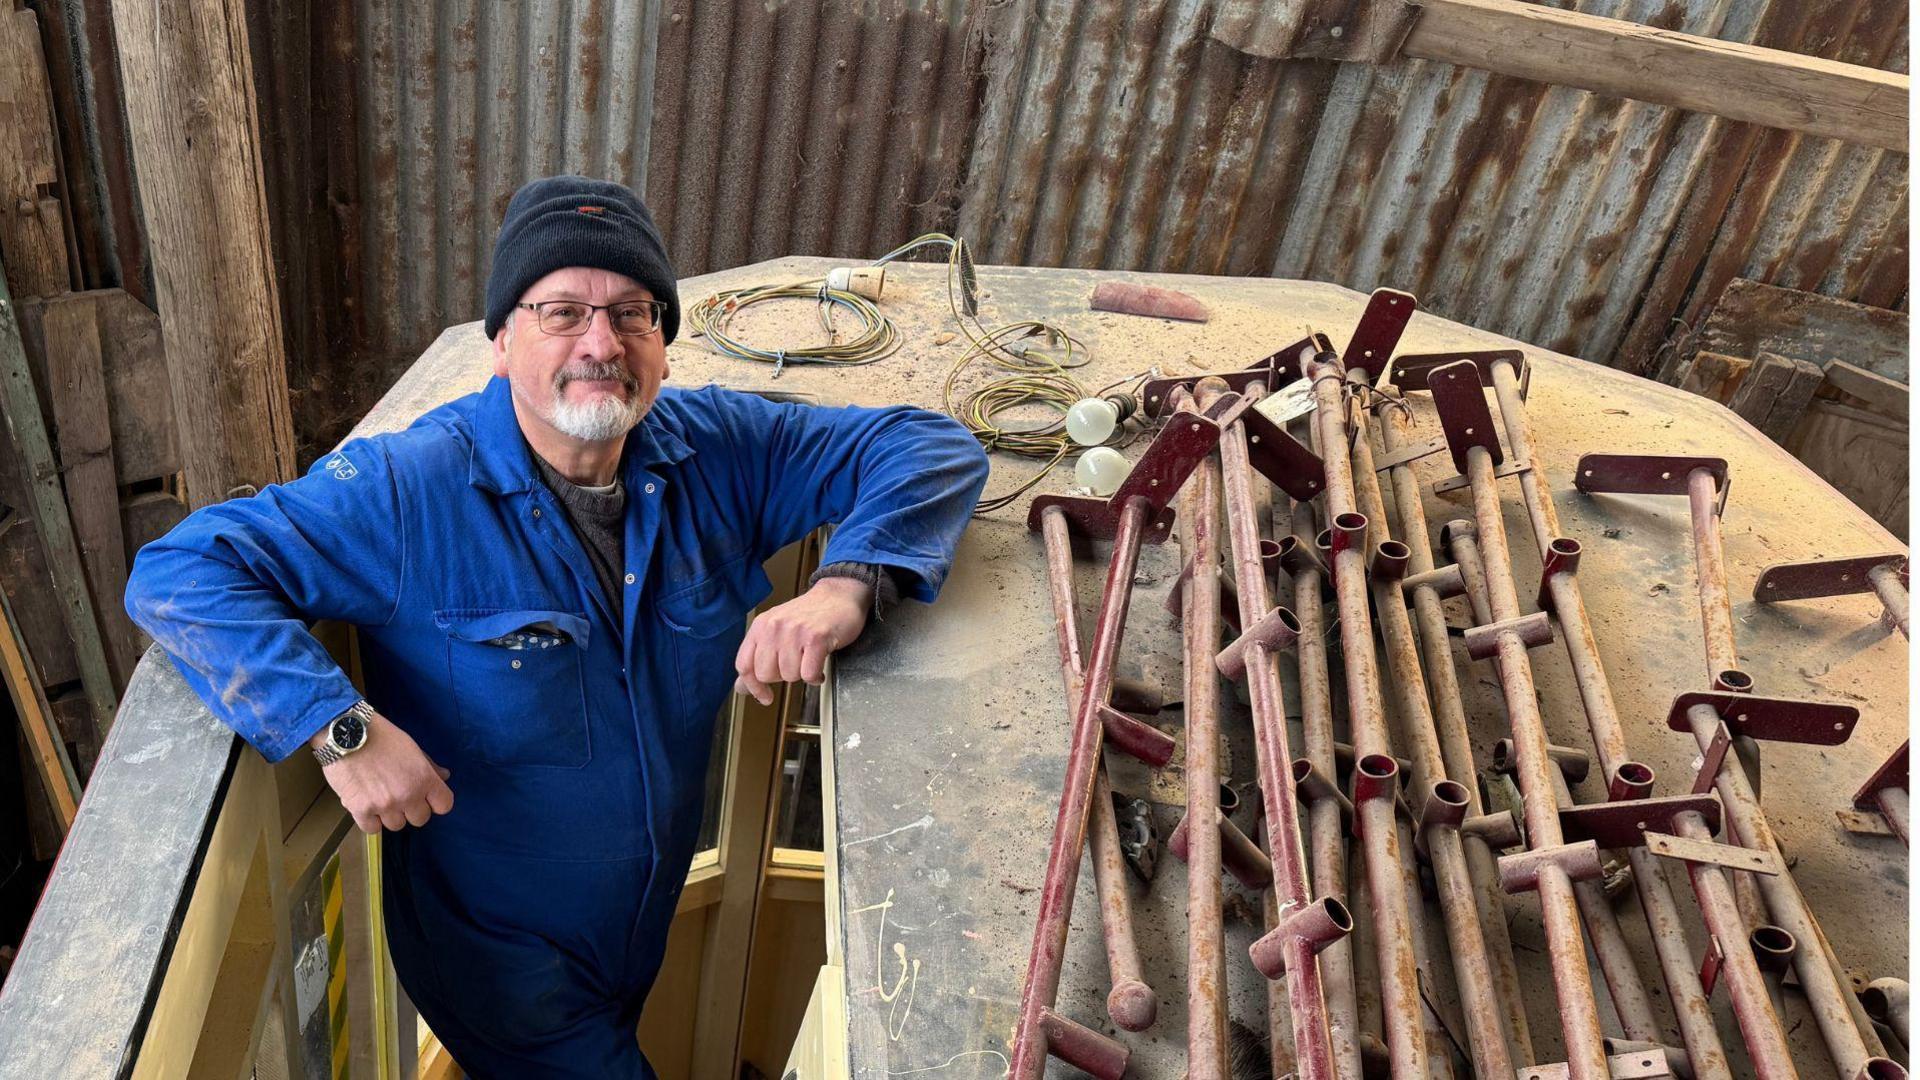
{"type": "Point", "coordinates": [799, 824]}
{"type": "Point", "coordinates": [715, 806]}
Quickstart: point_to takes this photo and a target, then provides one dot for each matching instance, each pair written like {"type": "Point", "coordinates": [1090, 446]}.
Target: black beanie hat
{"type": "Point", "coordinates": [563, 221]}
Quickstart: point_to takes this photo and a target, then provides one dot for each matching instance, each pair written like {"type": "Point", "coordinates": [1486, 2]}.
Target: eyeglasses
{"type": "Point", "coordinates": [570, 318]}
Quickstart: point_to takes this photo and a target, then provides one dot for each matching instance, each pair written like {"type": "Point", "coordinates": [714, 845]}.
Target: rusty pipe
{"type": "Point", "coordinates": [1710, 580]}
{"type": "Point", "coordinates": [1373, 507]}
{"type": "Point", "coordinates": [1427, 587]}
{"type": "Point", "coordinates": [1040, 1030]}
{"type": "Point", "coordinates": [1753, 1006]}
{"type": "Point", "coordinates": [1773, 950]}
{"type": "Point", "coordinates": [1843, 1023]}
{"type": "Point", "coordinates": [1487, 1035]}
{"type": "Point", "coordinates": [1131, 1004]}
{"type": "Point", "coordinates": [1574, 763]}
{"type": "Point", "coordinates": [1379, 840]}
{"type": "Point", "coordinates": [1886, 1001]}
{"type": "Point", "coordinates": [1625, 987]}
{"type": "Point", "coordinates": [1826, 991]}
{"type": "Point", "coordinates": [1892, 804]}
{"type": "Point", "coordinates": [1327, 810]}
{"type": "Point", "coordinates": [1312, 1037]}
{"type": "Point", "coordinates": [1892, 592]}
{"type": "Point", "coordinates": [1239, 855]}
{"type": "Point", "coordinates": [1564, 600]}
{"type": "Point", "coordinates": [1200, 636]}
{"type": "Point", "coordinates": [1534, 771]}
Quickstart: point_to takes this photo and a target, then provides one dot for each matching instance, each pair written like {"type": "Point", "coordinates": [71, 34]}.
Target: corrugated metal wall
{"type": "Point", "coordinates": [1111, 133]}
{"type": "Point", "coordinates": [1114, 134]}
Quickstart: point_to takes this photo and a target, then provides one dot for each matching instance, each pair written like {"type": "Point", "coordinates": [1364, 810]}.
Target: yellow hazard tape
{"type": "Point", "coordinates": [336, 966]}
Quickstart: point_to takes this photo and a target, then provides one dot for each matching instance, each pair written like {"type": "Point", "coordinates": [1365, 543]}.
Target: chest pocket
{"type": "Point", "coordinates": [705, 622]}
{"type": "Point", "coordinates": [518, 685]}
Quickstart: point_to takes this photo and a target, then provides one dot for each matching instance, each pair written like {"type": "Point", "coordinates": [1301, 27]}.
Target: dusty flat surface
{"type": "Point", "coordinates": [950, 727]}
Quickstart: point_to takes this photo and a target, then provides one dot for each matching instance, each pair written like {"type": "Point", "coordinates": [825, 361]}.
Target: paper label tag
{"type": "Point", "coordinates": [1287, 403]}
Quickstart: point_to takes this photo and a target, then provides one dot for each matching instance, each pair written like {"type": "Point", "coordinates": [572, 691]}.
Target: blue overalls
{"type": "Point", "coordinates": [528, 924]}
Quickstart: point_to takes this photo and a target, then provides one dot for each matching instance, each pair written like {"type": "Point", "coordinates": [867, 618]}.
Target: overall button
{"type": "Point", "coordinates": [649, 489]}
{"type": "Point", "coordinates": [630, 579]}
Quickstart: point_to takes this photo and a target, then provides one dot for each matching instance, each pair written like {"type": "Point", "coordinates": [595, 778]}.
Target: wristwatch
{"type": "Point", "coordinates": [347, 733]}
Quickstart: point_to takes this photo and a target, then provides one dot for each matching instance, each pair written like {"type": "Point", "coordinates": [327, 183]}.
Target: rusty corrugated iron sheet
{"type": "Point", "coordinates": [1105, 133]}
{"type": "Point", "coordinates": [1539, 212]}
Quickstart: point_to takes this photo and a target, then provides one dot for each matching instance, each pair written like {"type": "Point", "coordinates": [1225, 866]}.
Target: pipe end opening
{"type": "Point", "coordinates": [1378, 766]}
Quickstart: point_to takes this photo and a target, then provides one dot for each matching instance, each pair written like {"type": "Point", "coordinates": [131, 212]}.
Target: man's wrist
{"type": "Point", "coordinates": [853, 588]}
{"type": "Point", "coordinates": [882, 590]}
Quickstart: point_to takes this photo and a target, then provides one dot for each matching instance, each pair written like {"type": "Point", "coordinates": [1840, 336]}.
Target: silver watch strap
{"type": "Point", "coordinates": [326, 752]}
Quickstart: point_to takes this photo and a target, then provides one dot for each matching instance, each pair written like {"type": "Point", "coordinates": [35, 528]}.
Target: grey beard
{"type": "Point", "coordinates": [598, 420]}
{"type": "Point", "coordinates": [603, 418]}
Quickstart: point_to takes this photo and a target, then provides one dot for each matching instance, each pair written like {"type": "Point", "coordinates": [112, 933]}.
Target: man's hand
{"type": "Point", "coordinates": [390, 782]}
{"type": "Point", "coordinates": [791, 642]}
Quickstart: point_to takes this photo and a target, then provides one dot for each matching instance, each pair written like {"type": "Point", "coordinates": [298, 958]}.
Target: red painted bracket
{"type": "Point", "coordinates": [1289, 363]}
{"type": "Point", "coordinates": [1824, 577]}
{"type": "Point", "coordinates": [1178, 450]}
{"type": "Point", "coordinates": [1410, 372]}
{"type": "Point", "coordinates": [1796, 720]}
{"type": "Point", "coordinates": [1892, 773]}
{"type": "Point", "coordinates": [1378, 331]}
{"type": "Point", "coordinates": [1617, 825]}
{"type": "Point", "coordinates": [1464, 416]}
{"type": "Point", "coordinates": [1227, 408]}
{"type": "Point", "coordinates": [1281, 458]}
{"type": "Point", "coordinates": [1711, 964]}
{"type": "Point", "coordinates": [1095, 519]}
{"type": "Point", "coordinates": [1156, 398]}
{"type": "Point", "coordinates": [1647, 474]}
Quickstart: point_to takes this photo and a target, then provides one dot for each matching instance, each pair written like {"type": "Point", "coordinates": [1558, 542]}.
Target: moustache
{"type": "Point", "coordinates": [595, 372]}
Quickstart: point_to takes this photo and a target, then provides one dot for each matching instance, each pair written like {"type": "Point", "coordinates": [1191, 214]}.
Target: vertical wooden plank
{"type": "Point", "coordinates": [139, 403]}
{"type": "Point", "coordinates": [69, 337]}
{"type": "Point", "coordinates": [195, 135]}
{"type": "Point", "coordinates": [36, 721]}
{"type": "Point", "coordinates": [32, 234]}
{"type": "Point", "coordinates": [21, 407]}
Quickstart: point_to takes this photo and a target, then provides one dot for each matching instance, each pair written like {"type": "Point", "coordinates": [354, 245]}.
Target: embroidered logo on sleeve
{"type": "Point", "coordinates": [341, 468]}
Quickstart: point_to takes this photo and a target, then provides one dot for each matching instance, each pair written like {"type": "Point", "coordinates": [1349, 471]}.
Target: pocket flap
{"type": "Point", "coordinates": [486, 624]}
{"type": "Point", "coordinates": [719, 603]}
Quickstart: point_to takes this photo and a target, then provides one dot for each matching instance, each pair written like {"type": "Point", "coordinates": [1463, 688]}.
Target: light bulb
{"type": "Point", "coordinates": [1100, 470]}
{"type": "Point", "coordinates": [1091, 421]}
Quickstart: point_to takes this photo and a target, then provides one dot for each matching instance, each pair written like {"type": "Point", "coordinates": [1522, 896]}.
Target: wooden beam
{"type": "Point", "coordinates": [191, 121]}
{"type": "Point", "coordinates": [21, 408]}
{"type": "Point", "coordinates": [1775, 393]}
{"type": "Point", "coordinates": [32, 229]}
{"type": "Point", "coordinates": [69, 338]}
{"type": "Point", "coordinates": [1882, 393]}
{"type": "Point", "coordinates": [1770, 87]}
{"type": "Point", "coordinates": [1714, 375]}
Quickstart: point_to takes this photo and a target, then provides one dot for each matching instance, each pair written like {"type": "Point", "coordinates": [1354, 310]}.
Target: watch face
{"type": "Point", "coordinates": [349, 732]}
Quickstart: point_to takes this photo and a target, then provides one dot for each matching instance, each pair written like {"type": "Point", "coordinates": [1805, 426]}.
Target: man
{"type": "Point", "coordinates": [551, 580]}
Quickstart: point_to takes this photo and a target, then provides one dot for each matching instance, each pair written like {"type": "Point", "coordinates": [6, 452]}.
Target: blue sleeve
{"type": "Point", "coordinates": [900, 483]}
{"type": "Point", "coordinates": [229, 592]}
